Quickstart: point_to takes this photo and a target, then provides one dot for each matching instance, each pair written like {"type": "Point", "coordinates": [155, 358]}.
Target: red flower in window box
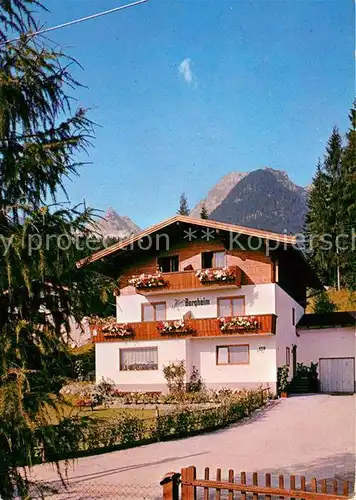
{"type": "Point", "coordinates": [236, 323]}
{"type": "Point", "coordinates": [109, 327]}
{"type": "Point", "coordinates": [178, 326]}
{"type": "Point", "coordinates": [225, 274]}
{"type": "Point", "coordinates": [148, 281]}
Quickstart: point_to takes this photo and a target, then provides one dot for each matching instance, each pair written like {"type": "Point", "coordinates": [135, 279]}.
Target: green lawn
{"type": "Point", "coordinates": [68, 409]}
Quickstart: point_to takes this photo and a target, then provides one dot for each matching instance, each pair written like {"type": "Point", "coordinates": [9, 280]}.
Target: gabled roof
{"type": "Point", "coordinates": [325, 320]}
{"type": "Point", "coordinates": [259, 233]}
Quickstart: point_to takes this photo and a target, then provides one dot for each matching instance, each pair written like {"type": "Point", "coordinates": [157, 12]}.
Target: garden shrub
{"type": "Point", "coordinates": [282, 379]}
{"type": "Point", "coordinates": [131, 429]}
{"type": "Point", "coordinates": [195, 383]}
{"type": "Point", "coordinates": [83, 363]}
{"type": "Point", "coordinates": [174, 373]}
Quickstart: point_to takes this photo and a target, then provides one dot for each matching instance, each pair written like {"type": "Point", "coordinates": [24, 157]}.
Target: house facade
{"type": "Point", "coordinates": [224, 299]}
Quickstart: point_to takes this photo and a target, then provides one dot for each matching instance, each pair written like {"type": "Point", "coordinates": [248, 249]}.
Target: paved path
{"type": "Point", "coordinates": [312, 435]}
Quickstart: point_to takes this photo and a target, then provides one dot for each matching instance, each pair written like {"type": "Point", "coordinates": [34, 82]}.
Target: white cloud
{"type": "Point", "coordinates": [185, 69]}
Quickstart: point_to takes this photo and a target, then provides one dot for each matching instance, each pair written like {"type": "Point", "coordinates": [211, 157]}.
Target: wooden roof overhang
{"type": "Point", "coordinates": [232, 236]}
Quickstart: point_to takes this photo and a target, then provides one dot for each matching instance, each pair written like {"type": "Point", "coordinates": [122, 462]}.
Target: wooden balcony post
{"type": "Point", "coordinates": [170, 484]}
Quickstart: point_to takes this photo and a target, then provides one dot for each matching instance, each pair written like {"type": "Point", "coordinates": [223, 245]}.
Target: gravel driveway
{"type": "Point", "coordinates": [311, 435]}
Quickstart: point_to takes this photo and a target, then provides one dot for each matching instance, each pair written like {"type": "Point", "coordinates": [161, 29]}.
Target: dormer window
{"type": "Point", "coordinates": [168, 264]}
{"type": "Point", "coordinates": [213, 260]}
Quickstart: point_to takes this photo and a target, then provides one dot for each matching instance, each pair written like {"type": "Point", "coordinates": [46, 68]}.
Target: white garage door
{"type": "Point", "coordinates": [337, 374]}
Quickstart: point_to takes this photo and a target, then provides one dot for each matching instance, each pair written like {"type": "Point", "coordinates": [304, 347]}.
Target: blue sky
{"type": "Point", "coordinates": [186, 91]}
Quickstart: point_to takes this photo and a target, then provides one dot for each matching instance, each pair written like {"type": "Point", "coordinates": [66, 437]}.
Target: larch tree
{"type": "Point", "coordinates": [40, 286]}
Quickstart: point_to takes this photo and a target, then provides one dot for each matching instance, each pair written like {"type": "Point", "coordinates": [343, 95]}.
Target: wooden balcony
{"type": "Point", "coordinates": [207, 327]}
{"type": "Point", "coordinates": [187, 280]}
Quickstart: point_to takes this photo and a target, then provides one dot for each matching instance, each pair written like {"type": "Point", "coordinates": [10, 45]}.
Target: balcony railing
{"type": "Point", "coordinates": [188, 280]}
{"type": "Point", "coordinates": [196, 328]}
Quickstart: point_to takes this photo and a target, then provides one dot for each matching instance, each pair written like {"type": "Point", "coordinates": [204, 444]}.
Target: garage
{"type": "Point", "coordinates": [336, 375]}
{"type": "Point", "coordinates": [329, 340]}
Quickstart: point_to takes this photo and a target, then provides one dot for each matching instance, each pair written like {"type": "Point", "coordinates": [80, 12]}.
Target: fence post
{"type": "Point", "coordinates": [188, 490]}
{"type": "Point", "coordinates": [170, 484]}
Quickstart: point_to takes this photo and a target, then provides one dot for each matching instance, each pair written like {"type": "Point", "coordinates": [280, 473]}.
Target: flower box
{"type": "Point", "coordinates": [167, 327]}
{"type": "Point", "coordinates": [118, 331]}
{"type": "Point", "coordinates": [148, 281]}
{"type": "Point", "coordinates": [238, 323]}
{"type": "Point", "coordinates": [223, 275]}
{"type": "Point", "coordinates": [109, 327]}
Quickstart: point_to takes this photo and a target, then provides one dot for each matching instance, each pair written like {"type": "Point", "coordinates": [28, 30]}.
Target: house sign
{"type": "Point", "coordinates": [186, 302]}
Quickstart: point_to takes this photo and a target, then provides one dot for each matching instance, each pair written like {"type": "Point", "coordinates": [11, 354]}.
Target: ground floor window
{"type": "Point", "coordinates": [233, 354]}
{"type": "Point", "coordinates": [139, 358]}
{"type": "Point", "coordinates": [287, 356]}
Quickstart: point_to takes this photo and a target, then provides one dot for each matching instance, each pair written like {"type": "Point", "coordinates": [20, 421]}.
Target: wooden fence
{"type": "Point", "coordinates": [186, 486]}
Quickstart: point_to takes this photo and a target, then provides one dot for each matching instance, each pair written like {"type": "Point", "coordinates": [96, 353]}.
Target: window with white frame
{"type": "Point", "coordinates": [232, 354]}
{"type": "Point", "coordinates": [155, 311]}
{"type": "Point", "coordinates": [139, 358]}
{"type": "Point", "coordinates": [231, 306]}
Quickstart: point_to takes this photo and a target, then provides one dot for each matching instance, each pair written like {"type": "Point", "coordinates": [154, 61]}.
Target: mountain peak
{"type": "Point", "coordinates": [113, 225]}
{"type": "Point", "coordinates": [111, 212]}
{"type": "Point", "coordinates": [218, 192]}
{"type": "Point", "coordinates": [265, 198]}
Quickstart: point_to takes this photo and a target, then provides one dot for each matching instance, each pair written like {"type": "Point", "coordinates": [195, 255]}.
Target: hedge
{"type": "Point", "coordinates": [102, 435]}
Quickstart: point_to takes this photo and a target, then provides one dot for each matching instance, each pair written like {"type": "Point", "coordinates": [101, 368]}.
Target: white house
{"type": "Point", "coordinates": [225, 299]}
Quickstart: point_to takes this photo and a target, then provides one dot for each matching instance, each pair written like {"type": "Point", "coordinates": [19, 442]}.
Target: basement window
{"type": "Point", "coordinates": [168, 264]}
{"type": "Point", "coordinates": [213, 260]}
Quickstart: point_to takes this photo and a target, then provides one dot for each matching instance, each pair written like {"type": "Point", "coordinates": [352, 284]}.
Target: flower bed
{"type": "Point", "coordinates": [148, 281]}
{"type": "Point", "coordinates": [237, 323]}
{"type": "Point", "coordinates": [174, 327]}
{"type": "Point", "coordinates": [225, 274]}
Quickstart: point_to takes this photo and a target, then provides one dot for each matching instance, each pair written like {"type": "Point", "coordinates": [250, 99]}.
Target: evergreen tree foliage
{"type": "Point", "coordinates": [331, 218]}
{"type": "Point", "coordinates": [203, 212]}
{"type": "Point", "coordinates": [323, 304]}
{"type": "Point", "coordinates": [316, 224]}
{"type": "Point", "coordinates": [348, 200]}
{"type": "Point", "coordinates": [40, 242]}
{"type": "Point", "coordinates": [183, 205]}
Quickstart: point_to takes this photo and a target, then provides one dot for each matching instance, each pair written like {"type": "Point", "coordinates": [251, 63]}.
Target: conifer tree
{"type": "Point", "coordinates": [40, 286]}
{"type": "Point", "coordinates": [348, 202]}
{"type": "Point", "coordinates": [316, 225]}
{"type": "Point", "coordinates": [183, 205]}
{"type": "Point", "coordinates": [331, 218]}
{"type": "Point", "coordinates": [323, 220]}
{"type": "Point", "coordinates": [323, 304]}
{"type": "Point", "coordinates": [203, 212]}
